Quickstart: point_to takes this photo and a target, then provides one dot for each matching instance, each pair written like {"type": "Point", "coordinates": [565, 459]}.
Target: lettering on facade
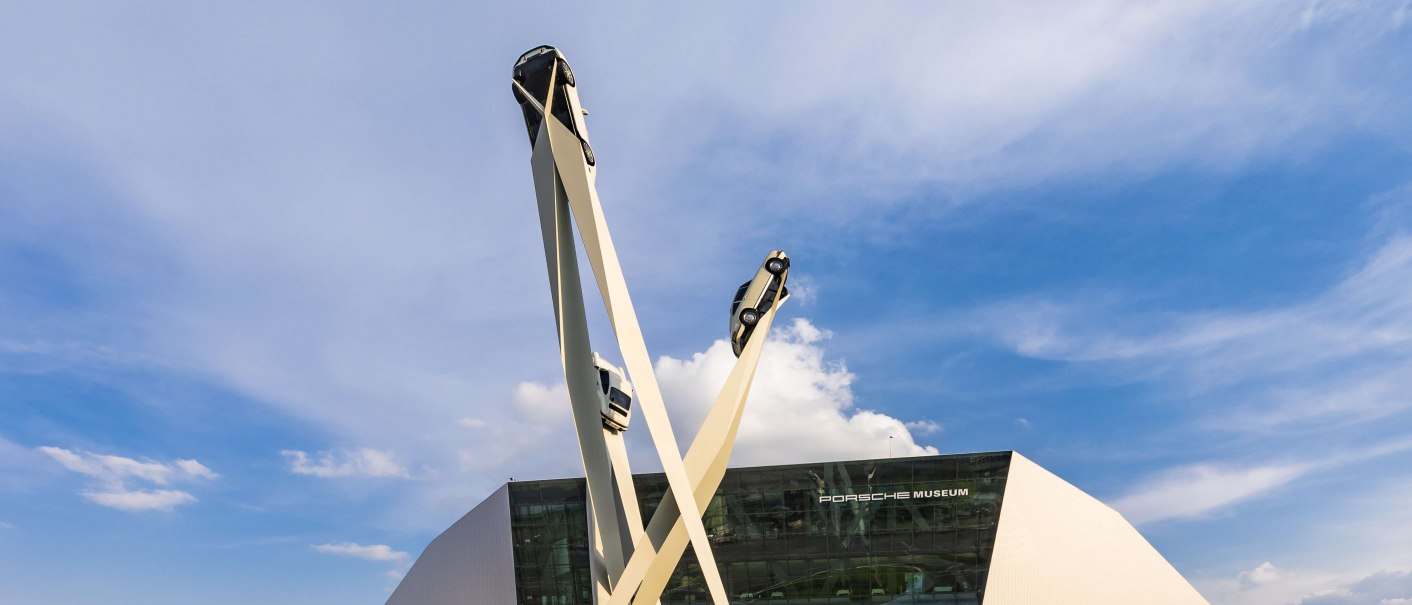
{"type": "Point", "coordinates": [914, 495]}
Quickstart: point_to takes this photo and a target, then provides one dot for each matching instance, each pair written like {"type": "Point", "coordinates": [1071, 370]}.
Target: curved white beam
{"type": "Point", "coordinates": [603, 258]}
{"type": "Point", "coordinates": [657, 554]}
{"type": "Point", "coordinates": [630, 563]}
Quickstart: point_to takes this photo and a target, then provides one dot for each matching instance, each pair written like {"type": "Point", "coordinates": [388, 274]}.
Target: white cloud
{"type": "Point", "coordinates": [470, 423]}
{"type": "Point", "coordinates": [1018, 93]}
{"type": "Point", "coordinates": [1267, 584]}
{"type": "Point", "coordinates": [359, 462]}
{"type": "Point", "coordinates": [372, 552]}
{"type": "Point", "coordinates": [310, 308]}
{"type": "Point", "coordinates": [332, 327]}
{"type": "Point", "coordinates": [1263, 573]}
{"type": "Point", "coordinates": [801, 409]}
{"type": "Point", "coordinates": [924, 427]}
{"type": "Point", "coordinates": [195, 469]}
{"type": "Point", "coordinates": [1198, 490]}
{"type": "Point", "coordinates": [540, 404]}
{"type": "Point", "coordinates": [141, 500]}
{"type": "Point", "coordinates": [801, 406]}
{"type": "Point", "coordinates": [4, 525]}
{"type": "Point", "coordinates": [1331, 361]}
{"type": "Point", "coordinates": [1387, 587]}
{"type": "Point", "coordinates": [113, 478]}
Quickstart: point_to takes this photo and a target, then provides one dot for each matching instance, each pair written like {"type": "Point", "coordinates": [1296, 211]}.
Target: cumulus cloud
{"type": "Point", "coordinates": [924, 427]}
{"type": "Point", "coordinates": [371, 552]}
{"type": "Point", "coordinates": [359, 462]}
{"type": "Point", "coordinates": [801, 406]}
{"type": "Point", "coordinates": [1264, 573]}
{"type": "Point", "coordinates": [113, 478]}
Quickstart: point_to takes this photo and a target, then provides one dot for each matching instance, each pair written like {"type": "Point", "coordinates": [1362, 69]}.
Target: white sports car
{"type": "Point", "coordinates": [757, 296]}
{"type": "Point", "coordinates": [617, 395]}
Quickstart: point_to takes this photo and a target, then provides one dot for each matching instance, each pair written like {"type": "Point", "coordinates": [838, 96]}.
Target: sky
{"type": "Point", "coordinates": [273, 311]}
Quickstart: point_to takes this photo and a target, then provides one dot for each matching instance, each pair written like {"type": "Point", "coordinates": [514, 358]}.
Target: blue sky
{"type": "Point", "coordinates": [273, 313]}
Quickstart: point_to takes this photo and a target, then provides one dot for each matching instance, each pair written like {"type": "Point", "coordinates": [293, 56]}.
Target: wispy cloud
{"type": "Point", "coordinates": [359, 462]}
{"type": "Point", "coordinates": [371, 552]}
{"type": "Point", "coordinates": [117, 468]}
{"type": "Point", "coordinates": [1338, 358]}
{"type": "Point", "coordinates": [139, 500]}
{"type": "Point", "coordinates": [1387, 587]}
{"type": "Point", "coordinates": [114, 475]}
{"type": "Point", "coordinates": [1196, 491]}
{"type": "Point", "coordinates": [1200, 490]}
{"type": "Point", "coordinates": [1011, 94]}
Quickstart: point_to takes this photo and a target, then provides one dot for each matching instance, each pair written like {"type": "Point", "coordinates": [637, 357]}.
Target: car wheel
{"type": "Point", "coordinates": [588, 154]}
{"type": "Point", "coordinates": [566, 73]}
{"type": "Point", "coordinates": [749, 317]}
{"type": "Point", "coordinates": [775, 266]}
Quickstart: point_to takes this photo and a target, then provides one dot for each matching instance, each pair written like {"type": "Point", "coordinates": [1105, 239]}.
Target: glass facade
{"type": "Point", "coordinates": [900, 530]}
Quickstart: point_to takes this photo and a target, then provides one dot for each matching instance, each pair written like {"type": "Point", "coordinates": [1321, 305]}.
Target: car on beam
{"type": "Point", "coordinates": [757, 296]}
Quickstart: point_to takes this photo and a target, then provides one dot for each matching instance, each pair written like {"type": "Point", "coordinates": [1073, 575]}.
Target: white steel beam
{"type": "Point", "coordinates": [629, 563]}
{"type": "Point", "coordinates": [607, 554]}
{"type": "Point", "coordinates": [577, 181]}
{"type": "Point", "coordinates": [659, 551]}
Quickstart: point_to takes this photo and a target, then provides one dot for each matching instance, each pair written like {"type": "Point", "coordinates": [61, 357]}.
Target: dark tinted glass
{"type": "Point", "coordinates": [620, 398]}
{"type": "Point", "coordinates": [902, 530]}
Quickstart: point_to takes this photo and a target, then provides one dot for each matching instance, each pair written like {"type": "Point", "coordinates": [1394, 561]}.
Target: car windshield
{"type": "Point", "coordinates": [620, 399]}
{"type": "Point", "coordinates": [533, 71]}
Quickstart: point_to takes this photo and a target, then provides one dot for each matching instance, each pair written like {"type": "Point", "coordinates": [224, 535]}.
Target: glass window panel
{"type": "Point", "coordinates": [777, 542]}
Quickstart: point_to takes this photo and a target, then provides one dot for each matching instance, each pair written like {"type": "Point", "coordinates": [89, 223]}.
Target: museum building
{"type": "Point", "coordinates": [992, 528]}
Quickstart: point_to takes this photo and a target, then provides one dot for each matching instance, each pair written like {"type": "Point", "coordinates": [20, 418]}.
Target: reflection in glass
{"type": "Point", "coordinates": [896, 531]}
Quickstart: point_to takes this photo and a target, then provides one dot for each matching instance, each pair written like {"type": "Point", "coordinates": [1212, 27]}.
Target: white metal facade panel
{"type": "Point", "coordinates": [1056, 545]}
{"type": "Point", "coordinates": [471, 563]}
